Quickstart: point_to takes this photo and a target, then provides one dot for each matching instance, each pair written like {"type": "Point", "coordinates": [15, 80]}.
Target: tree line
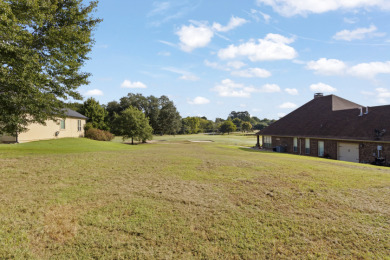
{"type": "Point", "coordinates": [138, 117]}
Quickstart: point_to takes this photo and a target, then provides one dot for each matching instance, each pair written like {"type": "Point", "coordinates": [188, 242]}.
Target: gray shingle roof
{"type": "Point", "coordinates": [72, 113]}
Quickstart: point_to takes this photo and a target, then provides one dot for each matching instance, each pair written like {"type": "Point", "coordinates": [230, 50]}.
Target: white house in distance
{"type": "Point", "coordinates": [71, 126]}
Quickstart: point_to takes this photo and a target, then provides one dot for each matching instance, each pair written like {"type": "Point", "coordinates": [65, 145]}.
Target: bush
{"type": "Point", "coordinates": [97, 134]}
{"type": "Point", "coordinates": [88, 126]}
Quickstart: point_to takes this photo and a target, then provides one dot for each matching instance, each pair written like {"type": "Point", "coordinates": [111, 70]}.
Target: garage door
{"type": "Point", "coordinates": [348, 152]}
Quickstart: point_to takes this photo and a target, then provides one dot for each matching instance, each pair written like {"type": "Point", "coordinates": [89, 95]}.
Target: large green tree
{"type": "Point", "coordinates": [169, 119]}
{"type": "Point", "coordinates": [162, 113]}
{"type": "Point", "coordinates": [132, 123]}
{"type": "Point", "coordinates": [96, 114]}
{"type": "Point", "coordinates": [190, 125]}
{"type": "Point", "coordinates": [227, 127]}
{"type": "Point", "coordinates": [244, 115]}
{"type": "Point", "coordinates": [43, 46]}
{"type": "Point", "coordinates": [246, 127]}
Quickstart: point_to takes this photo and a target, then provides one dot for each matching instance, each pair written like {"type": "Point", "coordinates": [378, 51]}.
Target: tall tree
{"type": "Point", "coordinates": [132, 123]}
{"type": "Point", "coordinates": [96, 114]}
{"type": "Point", "coordinates": [246, 126]}
{"type": "Point", "coordinates": [227, 127]}
{"type": "Point", "coordinates": [43, 46]}
{"type": "Point", "coordinates": [244, 116]}
{"type": "Point", "coordinates": [193, 124]}
{"type": "Point", "coordinates": [169, 120]}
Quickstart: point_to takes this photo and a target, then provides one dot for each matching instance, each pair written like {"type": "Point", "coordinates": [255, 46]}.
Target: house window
{"type": "Point", "coordinates": [267, 141]}
{"type": "Point", "coordinates": [62, 124]}
{"type": "Point", "coordinates": [307, 146]}
{"type": "Point", "coordinates": [321, 148]}
{"type": "Point", "coordinates": [79, 125]}
{"type": "Point", "coordinates": [295, 144]}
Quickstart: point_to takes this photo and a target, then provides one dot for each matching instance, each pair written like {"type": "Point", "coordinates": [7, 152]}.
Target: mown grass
{"type": "Point", "coordinates": [239, 139]}
{"type": "Point", "coordinates": [187, 200]}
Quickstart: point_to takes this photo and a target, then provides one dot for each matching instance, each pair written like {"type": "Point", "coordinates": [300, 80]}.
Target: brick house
{"type": "Point", "coordinates": [335, 128]}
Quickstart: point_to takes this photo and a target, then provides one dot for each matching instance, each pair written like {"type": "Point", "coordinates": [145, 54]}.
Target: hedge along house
{"type": "Point", "coordinates": [333, 127]}
{"type": "Point", "coordinates": [71, 126]}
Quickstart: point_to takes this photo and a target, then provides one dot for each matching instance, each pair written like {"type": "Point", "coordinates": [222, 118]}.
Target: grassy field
{"type": "Point", "coordinates": [77, 198]}
{"type": "Point", "coordinates": [237, 139]}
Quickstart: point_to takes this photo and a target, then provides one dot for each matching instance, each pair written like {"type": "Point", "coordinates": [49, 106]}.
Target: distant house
{"type": "Point", "coordinates": [71, 126]}
{"type": "Point", "coordinates": [332, 127]}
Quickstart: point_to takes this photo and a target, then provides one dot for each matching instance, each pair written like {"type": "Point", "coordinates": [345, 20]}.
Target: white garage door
{"type": "Point", "coordinates": [348, 152]}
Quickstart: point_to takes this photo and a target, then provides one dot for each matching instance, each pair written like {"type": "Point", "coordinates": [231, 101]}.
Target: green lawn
{"type": "Point", "coordinates": [239, 139]}
{"type": "Point", "coordinates": [82, 199]}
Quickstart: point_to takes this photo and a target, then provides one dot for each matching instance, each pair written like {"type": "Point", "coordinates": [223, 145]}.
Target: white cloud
{"type": "Point", "coordinates": [327, 66]}
{"type": "Point", "coordinates": [357, 34]}
{"type": "Point", "coordinates": [189, 77]}
{"type": "Point", "coordinates": [233, 23]}
{"type": "Point", "coordinates": [192, 37]}
{"type": "Point", "coordinates": [288, 105]}
{"type": "Point", "coordinates": [198, 101]}
{"type": "Point", "coordinates": [167, 43]}
{"type": "Point", "coordinates": [304, 7]}
{"type": "Point", "coordinates": [94, 92]}
{"type": "Point", "coordinates": [382, 95]}
{"type": "Point", "coordinates": [252, 73]}
{"type": "Point", "coordinates": [270, 88]}
{"type": "Point", "coordinates": [351, 20]}
{"type": "Point", "coordinates": [321, 87]}
{"type": "Point", "coordinates": [370, 70]}
{"type": "Point", "coordinates": [159, 8]}
{"type": "Point", "coordinates": [281, 115]}
{"type": "Point", "coordinates": [129, 84]}
{"type": "Point", "coordinates": [272, 47]}
{"type": "Point", "coordinates": [228, 88]}
{"type": "Point", "coordinates": [185, 75]}
{"type": "Point", "coordinates": [215, 65]}
{"type": "Point", "coordinates": [254, 14]}
{"type": "Point", "coordinates": [236, 64]}
{"type": "Point", "coordinates": [291, 91]}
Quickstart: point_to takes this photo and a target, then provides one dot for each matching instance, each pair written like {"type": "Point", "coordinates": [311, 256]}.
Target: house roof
{"type": "Point", "coordinates": [72, 113]}
{"type": "Point", "coordinates": [332, 117]}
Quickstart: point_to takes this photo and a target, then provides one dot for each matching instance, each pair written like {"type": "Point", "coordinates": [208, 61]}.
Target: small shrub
{"type": "Point", "coordinates": [97, 134]}
{"type": "Point", "coordinates": [88, 126]}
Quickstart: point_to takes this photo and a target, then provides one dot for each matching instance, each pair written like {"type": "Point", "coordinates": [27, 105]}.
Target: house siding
{"type": "Point", "coordinates": [37, 132]}
{"type": "Point", "coordinates": [367, 150]}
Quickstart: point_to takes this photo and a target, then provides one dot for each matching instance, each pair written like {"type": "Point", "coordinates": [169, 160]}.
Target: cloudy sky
{"type": "Point", "coordinates": [266, 57]}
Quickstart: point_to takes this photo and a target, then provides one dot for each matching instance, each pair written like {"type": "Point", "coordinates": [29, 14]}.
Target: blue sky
{"type": "Point", "coordinates": [266, 57]}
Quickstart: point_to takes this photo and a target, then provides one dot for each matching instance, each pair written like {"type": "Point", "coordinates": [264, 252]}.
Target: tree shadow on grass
{"type": "Point", "coordinates": [253, 150]}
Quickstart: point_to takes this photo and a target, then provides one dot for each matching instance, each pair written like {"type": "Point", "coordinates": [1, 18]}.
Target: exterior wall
{"type": "Point", "coordinates": [286, 142]}
{"type": "Point", "coordinates": [48, 131]}
{"type": "Point", "coordinates": [330, 146]}
{"type": "Point", "coordinates": [368, 152]}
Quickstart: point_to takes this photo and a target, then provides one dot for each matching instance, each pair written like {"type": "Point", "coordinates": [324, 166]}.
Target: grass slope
{"type": "Point", "coordinates": [187, 200]}
{"type": "Point", "coordinates": [59, 146]}
{"type": "Point", "coordinates": [231, 139]}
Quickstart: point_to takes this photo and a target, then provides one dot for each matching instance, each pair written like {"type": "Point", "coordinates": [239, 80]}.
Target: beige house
{"type": "Point", "coordinates": [71, 126]}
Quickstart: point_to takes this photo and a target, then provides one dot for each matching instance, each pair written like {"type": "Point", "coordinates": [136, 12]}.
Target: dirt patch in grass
{"type": "Point", "coordinates": [61, 223]}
